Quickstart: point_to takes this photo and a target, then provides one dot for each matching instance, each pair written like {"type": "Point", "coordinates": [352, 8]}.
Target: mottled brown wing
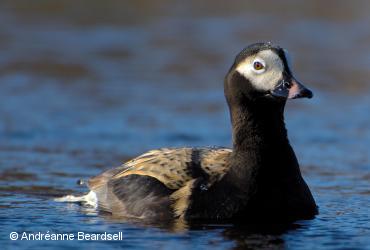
{"type": "Point", "coordinates": [174, 167]}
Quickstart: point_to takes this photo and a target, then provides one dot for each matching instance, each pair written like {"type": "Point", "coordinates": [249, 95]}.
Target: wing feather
{"type": "Point", "coordinates": [171, 166]}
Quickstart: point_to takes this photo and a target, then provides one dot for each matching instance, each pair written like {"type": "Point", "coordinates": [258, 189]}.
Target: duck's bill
{"type": "Point", "coordinates": [291, 89]}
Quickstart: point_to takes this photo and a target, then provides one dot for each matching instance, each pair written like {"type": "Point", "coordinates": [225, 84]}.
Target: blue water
{"type": "Point", "coordinates": [82, 91]}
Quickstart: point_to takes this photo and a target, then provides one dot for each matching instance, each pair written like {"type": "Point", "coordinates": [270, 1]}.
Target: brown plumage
{"type": "Point", "coordinates": [170, 166]}
{"type": "Point", "coordinates": [176, 168]}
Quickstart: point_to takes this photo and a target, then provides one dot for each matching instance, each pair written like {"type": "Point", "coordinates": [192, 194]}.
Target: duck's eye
{"type": "Point", "coordinates": [258, 65]}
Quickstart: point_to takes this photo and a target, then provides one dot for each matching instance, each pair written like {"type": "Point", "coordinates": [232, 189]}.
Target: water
{"type": "Point", "coordinates": [84, 89]}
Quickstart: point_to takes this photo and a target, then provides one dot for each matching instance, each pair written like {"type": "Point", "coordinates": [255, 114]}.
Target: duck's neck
{"type": "Point", "coordinates": [258, 125]}
{"type": "Point", "coordinates": [260, 143]}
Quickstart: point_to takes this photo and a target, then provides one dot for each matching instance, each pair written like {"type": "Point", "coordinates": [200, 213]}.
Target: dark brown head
{"type": "Point", "coordinates": [261, 70]}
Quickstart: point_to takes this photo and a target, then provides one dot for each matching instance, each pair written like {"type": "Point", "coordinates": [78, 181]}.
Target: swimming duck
{"type": "Point", "coordinates": [257, 179]}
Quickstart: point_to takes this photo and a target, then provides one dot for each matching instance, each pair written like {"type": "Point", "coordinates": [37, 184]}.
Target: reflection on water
{"type": "Point", "coordinates": [84, 88]}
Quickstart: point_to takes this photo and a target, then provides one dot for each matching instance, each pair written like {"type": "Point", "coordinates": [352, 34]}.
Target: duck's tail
{"type": "Point", "coordinates": [87, 199]}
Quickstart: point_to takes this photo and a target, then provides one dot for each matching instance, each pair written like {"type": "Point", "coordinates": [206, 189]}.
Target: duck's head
{"type": "Point", "coordinates": [262, 70]}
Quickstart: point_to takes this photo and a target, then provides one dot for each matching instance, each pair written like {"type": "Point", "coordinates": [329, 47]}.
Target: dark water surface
{"type": "Point", "coordinates": [85, 85]}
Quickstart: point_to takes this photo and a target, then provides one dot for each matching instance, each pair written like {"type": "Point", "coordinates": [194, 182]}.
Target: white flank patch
{"type": "Point", "coordinates": [269, 77]}
{"type": "Point", "coordinates": [88, 199]}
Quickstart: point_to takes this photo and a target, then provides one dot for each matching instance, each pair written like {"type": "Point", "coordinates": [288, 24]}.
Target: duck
{"type": "Point", "coordinates": [257, 179]}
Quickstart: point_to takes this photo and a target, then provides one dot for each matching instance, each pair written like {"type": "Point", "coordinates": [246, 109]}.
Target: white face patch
{"type": "Point", "coordinates": [266, 78]}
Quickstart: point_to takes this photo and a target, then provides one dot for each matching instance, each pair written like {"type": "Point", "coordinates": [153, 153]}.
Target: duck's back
{"type": "Point", "coordinates": [158, 184]}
